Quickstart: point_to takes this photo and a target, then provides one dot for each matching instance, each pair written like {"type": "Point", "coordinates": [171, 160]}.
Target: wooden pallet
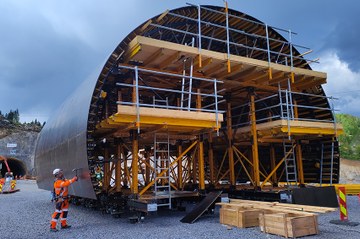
{"type": "Point", "coordinates": [288, 224]}
{"type": "Point", "coordinates": [240, 217]}
{"type": "Point", "coordinates": [288, 220]}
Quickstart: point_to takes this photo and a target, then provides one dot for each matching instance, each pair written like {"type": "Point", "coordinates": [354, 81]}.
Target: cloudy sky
{"type": "Point", "coordinates": [48, 47]}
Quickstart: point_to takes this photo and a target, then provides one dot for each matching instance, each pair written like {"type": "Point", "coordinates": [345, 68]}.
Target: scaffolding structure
{"type": "Point", "coordinates": [207, 97]}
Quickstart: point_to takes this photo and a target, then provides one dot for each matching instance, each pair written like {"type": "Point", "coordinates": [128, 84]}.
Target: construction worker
{"type": "Point", "coordinates": [61, 199]}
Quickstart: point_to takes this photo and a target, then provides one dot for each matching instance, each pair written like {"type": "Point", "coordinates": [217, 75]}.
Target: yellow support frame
{"type": "Point", "coordinates": [134, 163]}
{"type": "Point", "coordinates": [164, 171]}
{"type": "Point", "coordinates": [254, 146]}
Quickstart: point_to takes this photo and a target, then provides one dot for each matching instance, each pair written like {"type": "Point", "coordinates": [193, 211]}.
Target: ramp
{"type": "Point", "coordinates": [201, 207]}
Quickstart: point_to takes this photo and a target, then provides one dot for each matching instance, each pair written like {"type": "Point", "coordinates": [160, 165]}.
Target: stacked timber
{"type": "Point", "coordinates": [288, 220]}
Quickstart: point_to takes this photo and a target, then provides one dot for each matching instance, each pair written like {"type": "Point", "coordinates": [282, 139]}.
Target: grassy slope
{"type": "Point", "coordinates": [350, 140]}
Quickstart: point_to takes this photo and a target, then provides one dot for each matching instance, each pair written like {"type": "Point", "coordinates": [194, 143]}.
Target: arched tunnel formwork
{"type": "Point", "coordinates": [196, 97]}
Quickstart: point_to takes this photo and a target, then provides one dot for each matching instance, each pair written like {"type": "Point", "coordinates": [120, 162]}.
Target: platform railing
{"type": "Point", "coordinates": [284, 108]}
{"type": "Point", "coordinates": [143, 86]}
{"type": "Point", "coordinates": [276, 56]}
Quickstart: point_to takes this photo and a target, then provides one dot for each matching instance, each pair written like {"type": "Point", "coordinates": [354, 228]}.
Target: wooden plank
{"type": "Point", "coordinates": [223, 57]}
{"type": "Point", "coordinates": [305, 208]}
{"type": "Point", "coordinates": [288, 225]}
{"type": "Point", "coordinates": [167, 113]}
{"type": "Point", "coordinates": [296, 126]}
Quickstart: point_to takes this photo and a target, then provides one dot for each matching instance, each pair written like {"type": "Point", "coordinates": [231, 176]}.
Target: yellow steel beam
{"type": "Point", "coordinates": [255, 152]}
{"type": "Point", "coordinates": [194, 158]}
{"type": "Point", "coordinates": [211, 159]}
{"type": "Point", "coordinates": [147, 167]}
{"type": "Point", "coordinates": [221, 164]}
{"type": "Point", "coordinates": [118, 169]}
{"type": "Point", "coordinates": [247, 160]}
{"type": "Point", "coordinates": [244, 167]}
{"type": "Point", "coordinates": [276, 167]}
{"type": "Point", "coordinates": [164, 171]}
{"type": "Point", "coordinates": [107, 172]}
{"type": "Point", "coordinates": [230, 142]}
{"type": "Point", "coordinates": [273, 163]}
{"type": "Point", "coordinates": [180, 167]}
{"type": "Point", "coordinates": [299, 162]}
{"type": "Point", "coordinates": [134, 164]}
{"type": "Point", "coordinates": [307, 130]}
{"type": "Point", "coordinates": [201, 165]}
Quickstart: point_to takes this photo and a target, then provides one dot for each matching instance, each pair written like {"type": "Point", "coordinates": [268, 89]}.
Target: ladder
{"type": "Point", "coordinates": [162, 188]}
{"type": "Point", "coordinates": [326, 162]}
{"type": "Point", "coordinates": [187, 83]}
{"type": "Point", "coordinates": [290, 164]}
{"type": "Point", "coordinates": [287, 111]}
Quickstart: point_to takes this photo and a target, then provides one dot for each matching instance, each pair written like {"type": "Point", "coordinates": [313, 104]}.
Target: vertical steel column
{"type": "Point", "coordinates": [299, 163]}
{"type": "Point", "coordinates": [199, 37]}
{"type": "Point", "coordinates": [107, 172]}
{"type": "Point", "coordinates": [216, 107]}
{"type": "Point", "coordinates": [291, 58]}
{"type": "Point", "coordinates": [180, 165]}
{"type": "Point", "coordinates": [134, 163]}
{"type": "Point", "coordinates": [194, 168]}
{"type": "Point", "coordinates": [211, 159]}
{"type": "Point", "coordinates": [273, 164]}
{"type": "Point", "coordinates": [332, 162]}
{"type": "Point", "coordinates": [227, 36]}
{"type": "Point", "coordinates": [281, 103]}
{"type": "Point", "coordinates": [126, 171]}
{"type": "Point", "coordinates": [190, 80]}
{"type": "Point", "coordinates": [137, 99]}
{"type": "Point", "coordinates": [230, 144]}
{"type": "Point", "coordinates": [296, 113]}
{"type": "Point", "coordinates": [268, 50]}
{"type": "Point", "coordinates": [255, 152]}
{"type": "Point", "coordinates": [321, 164]}
{"type": "Point", "coordinates": [118, 169]}
{"type": "Point", "coordinates": [201, 164]}
{"type": "Point", "coordinates": [147, 166]}
{"type": "Point", "coordinates": [198, 100]}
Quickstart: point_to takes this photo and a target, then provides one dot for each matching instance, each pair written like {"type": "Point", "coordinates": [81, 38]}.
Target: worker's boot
{"type": "Point", "coordinates": [53, 229]}
{"type": "Point", "coordinates": [65, 226]}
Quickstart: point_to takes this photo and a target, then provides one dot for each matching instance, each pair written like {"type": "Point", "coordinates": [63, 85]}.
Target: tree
{"type": "Point", "coordinates": [350, 140]}
{"type": "Point", "coordinates": [13, 116]}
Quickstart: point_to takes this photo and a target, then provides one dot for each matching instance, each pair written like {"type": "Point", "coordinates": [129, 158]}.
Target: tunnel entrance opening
{"type": "Point", "coordinates": [16, 166]}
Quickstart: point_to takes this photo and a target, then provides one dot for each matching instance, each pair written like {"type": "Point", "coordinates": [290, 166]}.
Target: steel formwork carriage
{"type": "Point", "coordinates": [199, 97]}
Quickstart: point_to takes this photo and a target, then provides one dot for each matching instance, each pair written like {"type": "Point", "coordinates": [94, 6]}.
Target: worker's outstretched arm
{"type": "Point", "coordinates": [66, 183]}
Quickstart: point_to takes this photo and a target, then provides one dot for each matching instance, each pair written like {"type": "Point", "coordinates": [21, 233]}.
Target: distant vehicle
{"type": "Point", "coordinates": [8, 183]}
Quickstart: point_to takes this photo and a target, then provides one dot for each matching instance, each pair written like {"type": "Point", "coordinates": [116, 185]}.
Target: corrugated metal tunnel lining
{"type": "Point", "coordinates": [150, 72]}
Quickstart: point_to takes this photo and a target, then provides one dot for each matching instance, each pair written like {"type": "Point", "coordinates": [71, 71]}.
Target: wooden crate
{"type": "Point", "coordinates": [289, 224]}
{"type": "Point", "coordinates": [239, 217]}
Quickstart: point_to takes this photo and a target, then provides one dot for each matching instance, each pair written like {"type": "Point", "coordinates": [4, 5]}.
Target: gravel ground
{"type": "Point", "coordinates": [27, 214]}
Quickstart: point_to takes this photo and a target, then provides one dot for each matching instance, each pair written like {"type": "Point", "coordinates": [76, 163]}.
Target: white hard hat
{"type": "Point", "coordinates": [56, 171]}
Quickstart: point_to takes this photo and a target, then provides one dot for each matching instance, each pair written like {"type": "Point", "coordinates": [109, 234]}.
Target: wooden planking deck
{"type": "Point", "coordinates": [296, 127]}
{"type": "Point", "coordinates": [141, 48]}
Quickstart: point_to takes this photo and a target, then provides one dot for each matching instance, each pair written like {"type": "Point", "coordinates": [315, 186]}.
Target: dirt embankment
{"type": "Point", "coordinates": [350, 171]}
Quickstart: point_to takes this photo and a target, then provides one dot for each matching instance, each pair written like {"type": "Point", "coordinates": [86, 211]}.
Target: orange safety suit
{"type": "Point", "coordinates": [62, 201]}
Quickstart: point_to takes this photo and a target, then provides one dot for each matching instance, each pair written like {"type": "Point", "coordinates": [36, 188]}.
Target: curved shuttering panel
{"type": "Point", "coordinates": [62, 142]}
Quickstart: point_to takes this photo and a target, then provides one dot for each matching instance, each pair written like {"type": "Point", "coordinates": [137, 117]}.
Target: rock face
{"type": "Point", "coordinates": [20, 145]}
